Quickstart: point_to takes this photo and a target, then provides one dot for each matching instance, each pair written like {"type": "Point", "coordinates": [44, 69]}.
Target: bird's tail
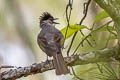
{"type": "Point", "coordinates": [60, 65]}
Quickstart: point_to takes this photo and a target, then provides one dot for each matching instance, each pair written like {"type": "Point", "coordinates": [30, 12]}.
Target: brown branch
{"type": "Point", "coordinates": [91, 57]}
{"type": "Point", "coordinates": [6, 67]}
{"type": "Point", "coordinates": [35, 68]}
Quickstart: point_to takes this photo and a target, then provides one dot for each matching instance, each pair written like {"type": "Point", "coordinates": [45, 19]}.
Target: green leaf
{"type": "Point", "coordinates": [100, 16]}
{"type": "Point", "coordinates": [72, 29]}
{"type": "Point", "coordinates": [112, 38]}
{"type": "Point", "coordinates": [105, 28]}
{"type": "Point", "coordinates": [88, 70]}
{"type": "Point", "coordinates": [118, 1]}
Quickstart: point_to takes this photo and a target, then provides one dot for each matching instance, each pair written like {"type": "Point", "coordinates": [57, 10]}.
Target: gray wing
{"type": "Point", "coordinates": [59, 38]}
{"type": "Point", "coordinates": [43, 44]}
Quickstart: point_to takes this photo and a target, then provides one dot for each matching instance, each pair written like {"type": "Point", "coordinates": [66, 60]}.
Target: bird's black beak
{"type": "Point", "coordinates": [55, 22]}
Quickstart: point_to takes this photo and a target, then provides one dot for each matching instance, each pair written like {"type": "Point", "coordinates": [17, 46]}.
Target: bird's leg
{"type": "Point", "coordinates": [47, 60]}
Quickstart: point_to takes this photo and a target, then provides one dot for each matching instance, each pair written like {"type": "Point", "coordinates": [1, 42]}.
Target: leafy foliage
{"type": "Point", "coordinates": [71, 30]}
{"type": "Point", "coordinates": [106, 71]}
{"type": "Point", "coordinates": [104, 28]}
{"type": "Point", "coordinates": [112, 38]}
{"type": "Point", "coordinates": [109, 71]}
{"type": "Point", "coordinates": [74, 28]}
{"type": "Point", "coordinates": [102, 15]}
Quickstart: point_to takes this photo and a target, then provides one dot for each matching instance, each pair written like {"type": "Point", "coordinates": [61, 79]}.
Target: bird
{"type": "Point", "coordinates": [51, 41]}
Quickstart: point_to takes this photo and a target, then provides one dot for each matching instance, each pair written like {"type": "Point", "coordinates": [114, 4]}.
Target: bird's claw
{"type": "Point", "coordinates": [47, 61]}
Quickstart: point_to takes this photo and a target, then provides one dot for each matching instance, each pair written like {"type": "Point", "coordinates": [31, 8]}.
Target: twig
{"type": "Point", "coordinates": [99, 68]}
{"type": "Point", "coordinates": [88, 36]}
{"type": "Point", "coordinates": [86, 5]}
{"type": "Point", "coordinates": [85, 11]}
{"type": "Point", "coordinates": [68, 16]}
{"type": "Point", "coordinates": [111, 31]}
{"type": "Point", "coordinates": [81, 43]}
{"type": "Point", "coordinates": [75, 74]}
{"type": "Point", "coordinates": [109, 34]}
{"type": "Point", "coordinates": [81, 21]}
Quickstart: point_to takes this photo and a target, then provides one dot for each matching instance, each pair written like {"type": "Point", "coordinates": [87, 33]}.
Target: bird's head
{"type": "Point", "coordinates": [47, 17]}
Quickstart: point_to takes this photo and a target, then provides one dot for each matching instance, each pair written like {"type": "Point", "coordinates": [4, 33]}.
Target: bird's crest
{"type": "Point", "coordinates": [45, 16]}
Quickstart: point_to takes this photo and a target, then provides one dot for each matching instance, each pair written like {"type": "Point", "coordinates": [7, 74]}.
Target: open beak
{"type": "Point", "coordinates": [56, 22]}
{"type": "Point", "coordinates": [56, 18]}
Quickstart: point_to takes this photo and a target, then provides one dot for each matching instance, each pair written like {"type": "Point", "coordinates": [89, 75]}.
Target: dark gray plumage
{"type": "Point", "coordinates": [51, 41]}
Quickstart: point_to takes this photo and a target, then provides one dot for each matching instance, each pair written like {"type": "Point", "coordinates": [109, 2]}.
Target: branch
{"type": "Point", "coordinates": [112, 7]}
{"type": "Point", "coordinates": [92, 57]}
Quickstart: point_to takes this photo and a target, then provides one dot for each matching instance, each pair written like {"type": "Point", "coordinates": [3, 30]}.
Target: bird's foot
{"type": "Point", "coordinates": [47, 61]}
